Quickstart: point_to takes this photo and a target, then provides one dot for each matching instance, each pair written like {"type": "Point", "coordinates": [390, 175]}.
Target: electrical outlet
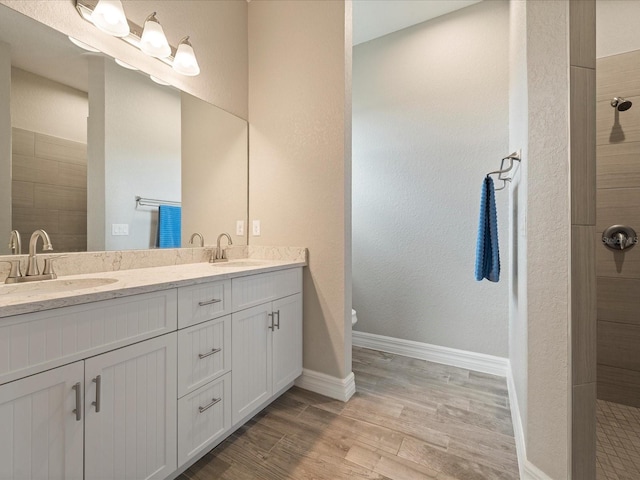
{"type": "Point", "coordinates": [240, 227]}
{"type": "Point", "coordinates": [256, 228]}
{"type": "Point", "coordinates": [118, 229]}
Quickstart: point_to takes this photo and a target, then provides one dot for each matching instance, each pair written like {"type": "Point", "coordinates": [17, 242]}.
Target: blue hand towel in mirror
{"type": "Point", "coordinates": [169, 226]}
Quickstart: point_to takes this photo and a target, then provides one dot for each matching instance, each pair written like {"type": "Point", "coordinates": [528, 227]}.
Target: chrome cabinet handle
{"type": "Point", "coordinates": [207, 407]}
{"type": "Point", "coordinates": [271, 327]}
{"type": "Point", "coordinates": [278, 314]}
{"type": "Point", "coordinates": [209, 302]}
{"type": "Point", "coordinates": [208, 354]}
{"type": "Point", "coordinates": [98, 382]}
{"type": "Point", "coordinates": [78, 409]}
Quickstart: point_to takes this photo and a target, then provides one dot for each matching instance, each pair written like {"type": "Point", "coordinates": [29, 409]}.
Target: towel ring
{"type": "Point", "coordinates": [512, 158]}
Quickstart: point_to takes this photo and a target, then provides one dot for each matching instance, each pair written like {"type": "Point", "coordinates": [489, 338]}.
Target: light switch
{"type": "Point", "coordinates": [118, 229]}
{"type": "Point", "coordinates": [256, 228]}
{"type": "Point", "coordinates": [240, 227]}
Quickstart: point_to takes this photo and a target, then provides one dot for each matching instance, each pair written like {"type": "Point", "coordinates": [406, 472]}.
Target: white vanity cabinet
{"type": "Point", "coordinates": [266, 338]}
{"type": "Point", "coordinates": [130, 412]}
{"type": "Point", "coordinates": [112, 416]}
{"type": "Point", "coordinates": [141, 386]}
{"type": "Point", "coordinates": [41, 436]}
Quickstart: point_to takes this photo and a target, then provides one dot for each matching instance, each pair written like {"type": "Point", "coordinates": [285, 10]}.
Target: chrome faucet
{"type": "Point", "coordinates": [32, 265]}
{"type": "Point", "coordinates": [220, 255]}
{"type": "Point", "coordinates": [197, 235]}
{"type": "Point", "coordinates": [15, 244]}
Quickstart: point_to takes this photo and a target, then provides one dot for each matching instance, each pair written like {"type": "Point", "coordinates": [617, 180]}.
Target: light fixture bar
{"type": "Point", "coordinates": [85, 9]}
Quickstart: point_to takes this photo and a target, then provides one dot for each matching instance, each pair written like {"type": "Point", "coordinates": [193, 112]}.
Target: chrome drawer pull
{"type": "Point", "coordinates": [271, 327]}
{"type": "Point", "coordinates": [278, 314]}
{"type": "Point", "coordinates": [209, 302]}
{"type": "Point", "coordinates": [205, 355]}
{"type": "Point", "coordinates": [207, 407]}
{"type": "Point", "coordinates": [98, 382]}
{"type": "Point", "coordinates": [78, 409]}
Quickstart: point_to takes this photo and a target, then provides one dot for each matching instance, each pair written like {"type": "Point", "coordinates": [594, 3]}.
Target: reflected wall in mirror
{"type": "Point", "coordinates": [88, 136]}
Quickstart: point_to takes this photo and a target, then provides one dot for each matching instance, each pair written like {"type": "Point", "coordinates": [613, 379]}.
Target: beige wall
{"type": "Point", "coordinates": [540, 319]}
{"type": "Point", "coordinates": [616, 31]}
{"type": "Point", "coordinates": [5, 147]}
{"type": "Point", "coordinates": [214, 172]}
{"type": "Point", "coordinates": [548, 218]}
{"type": "Point", "coordinates": [218, 30]}
{"type": "Point", "coordinates": [299, 116]}
{"type": "Point", "coordinates": [42, 105]}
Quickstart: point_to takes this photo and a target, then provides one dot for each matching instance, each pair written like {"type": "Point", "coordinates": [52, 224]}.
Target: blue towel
{"type": "Point", "coordinates": [487, 253]}
{"type": "Point", "coordinates": [169, 226]}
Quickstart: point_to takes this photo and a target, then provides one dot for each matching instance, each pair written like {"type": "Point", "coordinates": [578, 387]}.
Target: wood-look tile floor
{"type": "Point", "coordinates": [410, 419]}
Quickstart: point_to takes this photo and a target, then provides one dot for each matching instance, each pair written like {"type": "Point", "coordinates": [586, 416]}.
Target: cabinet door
{"type": "Point", "coordinates": [131, 412]}
{"type": "Point", "coordinates": [40, 435]}
{"type": "Point", "coordinates": [251, 359]}
{"type": "Point", "coordinates": [287, 341]}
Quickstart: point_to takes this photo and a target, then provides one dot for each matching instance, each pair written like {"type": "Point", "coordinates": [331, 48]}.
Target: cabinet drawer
{"type": "Point", "coordinates": [204, 353]}
{"type": "Point", "coordinates": [199, 303]}
{"type": "Point", "coordinates": [203, 416]}
{"type": "Point", "coordinates": [34, 342]}
{"type": "Point", "coordinates": [265, 287]}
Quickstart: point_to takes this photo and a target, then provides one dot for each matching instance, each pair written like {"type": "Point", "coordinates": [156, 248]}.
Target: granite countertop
{"type": "Point", "coordinates": [70, 290]}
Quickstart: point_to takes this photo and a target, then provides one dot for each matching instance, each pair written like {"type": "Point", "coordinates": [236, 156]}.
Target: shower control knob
{"type": "Point", "coordinates": [619, 237]}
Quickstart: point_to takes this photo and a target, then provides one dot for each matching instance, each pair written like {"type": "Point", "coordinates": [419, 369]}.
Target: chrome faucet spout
{"type": "Point", "coordinates": [15, 243]}
{"type": "Point", "coordinates": [32, 265]}
{"type": "Point", "coordinates": [219, 255]}
{"type": "Point", "coordinates": [197, 235]}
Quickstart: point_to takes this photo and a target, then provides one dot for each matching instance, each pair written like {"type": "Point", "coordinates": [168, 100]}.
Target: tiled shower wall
{"type": "Point", "coordinates": [618, 202]}
{"type": "Point", "coordinates": [49, 189]}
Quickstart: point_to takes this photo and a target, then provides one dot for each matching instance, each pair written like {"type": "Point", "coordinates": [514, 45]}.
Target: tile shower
{"type": "Point", "coordinates": [618, 272]}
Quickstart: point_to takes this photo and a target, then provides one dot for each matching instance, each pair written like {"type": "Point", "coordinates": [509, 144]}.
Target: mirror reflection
{"type": "Point", "coordinates": [88, 136]}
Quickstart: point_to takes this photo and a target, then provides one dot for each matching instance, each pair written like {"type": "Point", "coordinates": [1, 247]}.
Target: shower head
{"type": "Point", "coordinates": [621, 104]}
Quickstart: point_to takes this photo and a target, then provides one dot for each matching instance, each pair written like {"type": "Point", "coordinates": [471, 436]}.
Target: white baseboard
{"type": "Point", "coordinates": [478, 362]}
{"type": "Point", "coordinates": [332, 387]}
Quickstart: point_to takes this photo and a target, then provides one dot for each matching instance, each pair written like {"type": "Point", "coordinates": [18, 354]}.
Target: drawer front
{"type": "Point", "coordinates": [199, 303]}
{"type": "Point", "coordinates": [34, 342]}
{"type": "Point", "coordinates": [204, 353]}
{"type": "Point", "coordinates": [204, 416]}
{"type": "Point", "coordinates": [256, 289]}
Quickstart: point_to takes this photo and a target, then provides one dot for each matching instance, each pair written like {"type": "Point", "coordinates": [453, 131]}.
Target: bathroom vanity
{"type": "Point", "coordinates": [136, 374]}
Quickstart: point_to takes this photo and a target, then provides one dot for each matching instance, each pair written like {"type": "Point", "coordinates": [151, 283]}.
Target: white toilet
{"type": "Point", "coordinates": [354, 318]}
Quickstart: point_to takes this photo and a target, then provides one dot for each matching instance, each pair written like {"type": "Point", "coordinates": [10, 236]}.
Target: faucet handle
{"type": "Point", "coordinates": [48, 266]}
{"type": "Point", "coordinates": [15, 272]}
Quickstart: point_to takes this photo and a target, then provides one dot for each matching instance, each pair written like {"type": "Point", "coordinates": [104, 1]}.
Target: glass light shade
{"type": "Point", "coordinates": [158, 81]}
{"type": "Point", "coordinates": [153, 41]}
{"type": "Point", "coordinates": [185, 61]}
{"type": "Point", "coordinates": [124, 64]}
{"type": "Point", "coordinates": [109, 17]}
{"type": "Point", "coordinates": [83, 45]}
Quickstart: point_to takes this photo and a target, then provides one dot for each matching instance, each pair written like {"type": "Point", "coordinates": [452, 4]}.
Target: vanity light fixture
{"type": "Point", "coordinates": [150, 39]}
{"type": "Point", "coordinates": [109, 17]}
{"type": "Point", "coordinates": [185, 61]}
{"type": "Point", "coordinates": [153, 41]}
{"type": "Point", "coordinates": [83, 45]}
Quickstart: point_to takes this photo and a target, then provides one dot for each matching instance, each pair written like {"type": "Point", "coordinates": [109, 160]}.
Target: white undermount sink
{"type": "Point", "coordinates": [240, 263]}
{"type": "Point", "coordinates": [54, 286]}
